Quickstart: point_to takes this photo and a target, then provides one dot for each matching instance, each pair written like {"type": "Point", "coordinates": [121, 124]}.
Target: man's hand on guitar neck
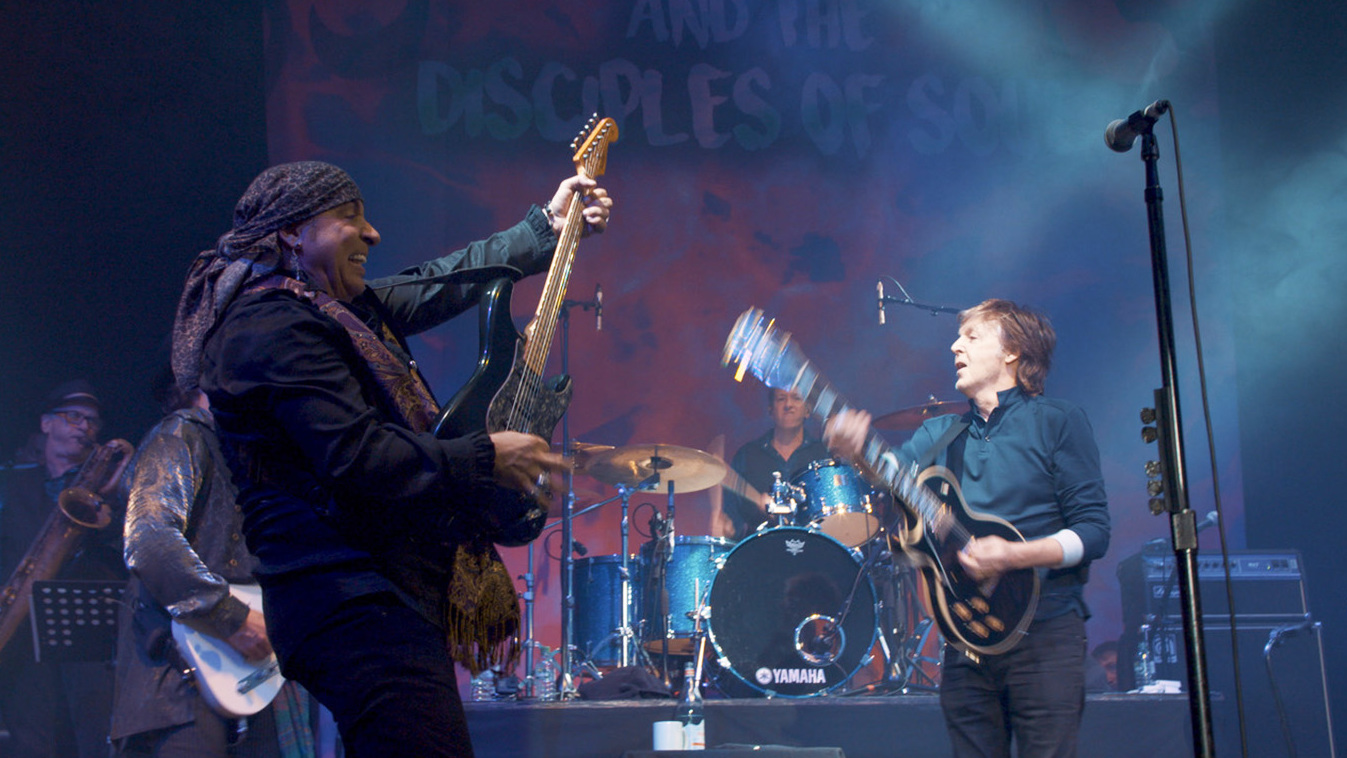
{"type": "Point", "coordinates": [845, 433]}
{"type": "Point", "coordinates": [251, 639]}
{"type": "Point", "coordinates": [595, 207]}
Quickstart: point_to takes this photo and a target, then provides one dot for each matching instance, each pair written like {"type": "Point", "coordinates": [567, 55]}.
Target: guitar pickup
{"type": "Point", "coordinates": [254, 680]}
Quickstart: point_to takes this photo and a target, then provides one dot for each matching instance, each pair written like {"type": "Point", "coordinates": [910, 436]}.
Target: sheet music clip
{"type": "Point", "coordinates": [75, 620]}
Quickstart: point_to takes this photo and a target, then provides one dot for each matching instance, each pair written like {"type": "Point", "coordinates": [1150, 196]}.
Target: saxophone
{"type": "Point", "coordinates": [80, 509]}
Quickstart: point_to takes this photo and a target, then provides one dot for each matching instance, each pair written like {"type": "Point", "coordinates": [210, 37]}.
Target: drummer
{"type": "Point", "coordinates": [784, 448]}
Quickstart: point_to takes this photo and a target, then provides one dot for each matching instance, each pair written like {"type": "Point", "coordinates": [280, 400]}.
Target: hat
{"type": "Point", "coordinates": [74, 392]}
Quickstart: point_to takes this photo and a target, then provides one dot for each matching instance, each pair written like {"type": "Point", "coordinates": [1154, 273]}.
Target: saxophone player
{"type": "Point", "coordinates": [55, 709]}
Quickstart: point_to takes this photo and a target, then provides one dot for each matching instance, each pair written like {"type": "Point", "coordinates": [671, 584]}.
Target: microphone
{"type": "Point", "coordinates": [669, 526]}
{"type": "Point", "coordinates": [1276, 636]}
{"type": "Point", "coordinates": [598, 307]}
{"type": "Point", "coordinates": [879, 287]}
{"type": "Point", "coordinates": [1211, 519]}
{"type": "Point", "coordinates": [1120, 134]}
{"type": "Point", "coordinates": [579, 548]}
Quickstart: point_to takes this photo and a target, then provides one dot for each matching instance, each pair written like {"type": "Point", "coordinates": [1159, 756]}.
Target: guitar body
{"type": "Point", "coordinates": [494, 399]}
{"type": "Point", "coordinates": [232, 686]}
{"type": "Point", "coordinates": [985, 617]}
{"type": "Point", "coordinates": [487, 400]}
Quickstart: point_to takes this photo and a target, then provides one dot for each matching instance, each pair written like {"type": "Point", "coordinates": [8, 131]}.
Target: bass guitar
{"type": "Point", "coordinates": [982, 617]}
{"type": "Point", "coordinates": [507, 391]}
{"type": "Point", "coordinates": [233, 686]}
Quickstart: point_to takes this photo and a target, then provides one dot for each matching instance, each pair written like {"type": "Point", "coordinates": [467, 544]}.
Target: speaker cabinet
{"type": "Point", "coordinates": [1269, 593]}
{"type": "Point", "coordinates": [1293, 669]}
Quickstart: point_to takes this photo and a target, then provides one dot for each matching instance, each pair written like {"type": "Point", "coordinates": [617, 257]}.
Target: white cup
{"type": "Point", "coordinates": [668, 735]}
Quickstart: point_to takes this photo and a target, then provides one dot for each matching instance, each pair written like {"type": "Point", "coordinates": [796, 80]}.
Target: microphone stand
{"type": "Point", "coordinates": [1183, 529]}
{"type": "Point", "coordinates": [566, 688]}
{"type": "Point", "coordinates": [906, 299]}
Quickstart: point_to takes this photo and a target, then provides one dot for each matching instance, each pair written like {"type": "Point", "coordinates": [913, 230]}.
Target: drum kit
{"type": "Point", "coordinates": [795, 609]}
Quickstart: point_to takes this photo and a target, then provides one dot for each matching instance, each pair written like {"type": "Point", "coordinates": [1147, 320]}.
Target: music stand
{"type": "Point", "coordinates": [75, 620]}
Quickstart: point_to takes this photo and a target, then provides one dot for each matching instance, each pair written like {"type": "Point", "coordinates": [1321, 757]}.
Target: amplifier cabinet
{"type": "Point", "coordinates": [1266, 585]}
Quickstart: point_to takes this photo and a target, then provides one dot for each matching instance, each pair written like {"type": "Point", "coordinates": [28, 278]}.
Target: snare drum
{"type": "Point", "coordinates": [792, 615]}
{"type": "Point", "coordinates": [694, 563]}
{"type": "Point", "coordinates": [838, 502]}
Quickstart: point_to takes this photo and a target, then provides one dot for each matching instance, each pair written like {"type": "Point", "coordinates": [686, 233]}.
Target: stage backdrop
{"type": "Point", "coordinates": [790, 154]}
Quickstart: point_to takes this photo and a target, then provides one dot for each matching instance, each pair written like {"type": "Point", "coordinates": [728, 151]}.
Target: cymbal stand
{"type": "Point", "coordinates": [626, 654]}
{"type": "Point", "coordinates": [663, 554]}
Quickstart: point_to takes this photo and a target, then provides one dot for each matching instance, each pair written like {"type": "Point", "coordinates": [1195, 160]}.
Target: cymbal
{"type": "Point", "coordinates": [689, 469]}
{"type": "Point", "coordinates": [584, 452]}
{"type": "Point", "coordinates": [908, 419]}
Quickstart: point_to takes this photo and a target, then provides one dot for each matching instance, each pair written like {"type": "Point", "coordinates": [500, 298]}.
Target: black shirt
{"type": "Point", "coordinates": [756, 461]}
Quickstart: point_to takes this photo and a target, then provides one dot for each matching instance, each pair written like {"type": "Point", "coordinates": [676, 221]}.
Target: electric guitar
{"type": "Point", "coordinates": [987, 617]}
{"type": "Point", "coordinates": [507, 391]}
{"type": "Point", "coordinates": [233, 686]}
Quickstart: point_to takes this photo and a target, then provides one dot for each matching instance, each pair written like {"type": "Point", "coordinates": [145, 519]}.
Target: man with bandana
{"type": "Point", "coordinates": [56, 708]}
{"type": "Point", "coordinates": [377, 569]}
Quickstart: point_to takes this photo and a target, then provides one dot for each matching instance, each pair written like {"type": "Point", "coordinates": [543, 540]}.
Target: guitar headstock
{"type": "Point", "coordinates": [757, 346]}
{"type": "Point", "coordinates": [591, 146]}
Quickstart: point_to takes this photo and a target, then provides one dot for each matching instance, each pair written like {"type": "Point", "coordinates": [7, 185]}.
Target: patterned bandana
{"type": "Point", "coordinates": [281, 196]}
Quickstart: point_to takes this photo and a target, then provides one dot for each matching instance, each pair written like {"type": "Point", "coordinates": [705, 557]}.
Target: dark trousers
{"type": "Point", "coordinates": [54, 710]}
{"type": "Point", "coordinates": [210, 735]}
{"type": "Point", "coordinates": [383, 672]}
{"type": "Point", "coordinates": [1035, 693]}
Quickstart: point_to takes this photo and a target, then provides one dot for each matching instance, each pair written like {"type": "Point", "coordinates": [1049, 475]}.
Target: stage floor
{"type": "Point", "coordinates": [899, 726]}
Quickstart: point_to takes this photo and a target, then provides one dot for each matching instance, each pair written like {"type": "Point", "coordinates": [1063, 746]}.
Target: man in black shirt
{"type": "Point", "coordinates": [785, 448]}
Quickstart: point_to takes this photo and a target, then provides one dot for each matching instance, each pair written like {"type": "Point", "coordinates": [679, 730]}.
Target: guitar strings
{"type": "Point", "coordinates": [535, 349]}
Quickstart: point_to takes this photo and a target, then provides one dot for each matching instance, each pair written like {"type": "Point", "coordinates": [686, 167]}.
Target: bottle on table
{"type": "Point", "coordinates": [691, 712]}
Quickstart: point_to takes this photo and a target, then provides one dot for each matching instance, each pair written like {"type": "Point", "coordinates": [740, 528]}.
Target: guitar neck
{"type": "Point", "coordinates": [554, 289]}
{"type": "Point", "coordinates": [880, 461]}
{"type": "Point", "coordinates": [740, 486]}
{"type": "Point", "coordinates": [590, 161]}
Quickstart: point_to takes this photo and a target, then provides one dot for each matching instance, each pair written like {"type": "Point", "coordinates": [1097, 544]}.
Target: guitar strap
{"type": "Point", "coordinates": [954, 439]}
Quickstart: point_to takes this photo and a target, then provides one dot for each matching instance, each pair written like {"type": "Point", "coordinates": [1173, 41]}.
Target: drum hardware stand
{"type": "Point", "coordinates": [699, 617]}
{"type": "Point", "coordinates": [664, 537]}
{"type": "Point", "coordinates": [628, 634]}
{"type": "Point", "coordinates": [913, 655]}
{"type": "Point", "coordinates": [786, 499]}
{"type": "Point", "coordinates": [900, 657]}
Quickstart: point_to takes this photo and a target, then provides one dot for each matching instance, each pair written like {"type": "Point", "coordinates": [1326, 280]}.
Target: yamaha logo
{"type": "Point", "coordinates": [766, 676]}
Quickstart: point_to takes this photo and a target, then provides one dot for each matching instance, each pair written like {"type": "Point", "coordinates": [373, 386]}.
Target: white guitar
{"type": "Point", "coordinates": [234, 687]}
